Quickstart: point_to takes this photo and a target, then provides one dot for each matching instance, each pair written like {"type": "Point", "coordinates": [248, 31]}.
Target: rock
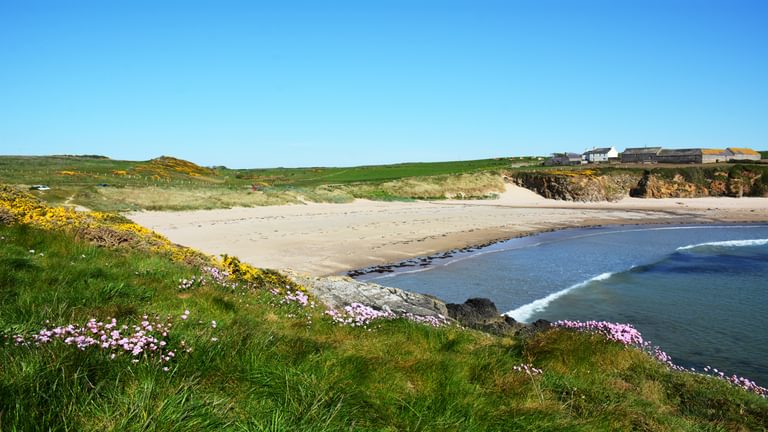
{"type": "Point", "coordinates": [477, 313]}
{"type": "Point", "coordinates": [339, 291]}
{"type": "Point", "coordinates": [481, 314]}
{"type": "Point", "coordinates": [577, 185]}
{"type": "Point", "coordinates": [474, 311]}
{"type": "Point", "coordinates": [695, 182]}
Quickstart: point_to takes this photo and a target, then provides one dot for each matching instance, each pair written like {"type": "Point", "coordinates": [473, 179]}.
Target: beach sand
{"type": "Point", "coordinates": [323, 239]}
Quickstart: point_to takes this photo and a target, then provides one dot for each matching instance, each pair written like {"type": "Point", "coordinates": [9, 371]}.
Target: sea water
{"type": "Point", "coordinates": [700, 292]}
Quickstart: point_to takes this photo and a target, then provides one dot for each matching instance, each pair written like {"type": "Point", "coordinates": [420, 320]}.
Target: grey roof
{"type": "Point", "coordinates": [601, 150]}
{"type": "Point", "coordinates": [680, 152]}
{"type": "Point", "coordinates": [642, 150]}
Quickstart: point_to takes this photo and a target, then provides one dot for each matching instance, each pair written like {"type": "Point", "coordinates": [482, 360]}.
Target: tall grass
{"type": "Point", "coordinates": [271, 366]}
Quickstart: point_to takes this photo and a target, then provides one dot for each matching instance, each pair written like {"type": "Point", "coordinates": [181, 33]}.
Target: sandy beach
{"type": "Point", "coordinates": [323, 239]}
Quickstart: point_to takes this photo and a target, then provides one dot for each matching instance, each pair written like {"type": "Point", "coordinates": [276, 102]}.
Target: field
{"type": "Point", "coordinates": [203, 350]}
{"type": "Point", "coordinates": [167, 183]}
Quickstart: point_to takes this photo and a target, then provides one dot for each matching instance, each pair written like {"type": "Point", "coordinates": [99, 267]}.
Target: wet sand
{"type": "Point", "coordinates": [323, 239]}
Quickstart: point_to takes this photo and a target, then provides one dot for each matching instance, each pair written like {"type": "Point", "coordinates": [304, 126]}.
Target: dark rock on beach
{"type": "Point", "coordinates": [481, 314]}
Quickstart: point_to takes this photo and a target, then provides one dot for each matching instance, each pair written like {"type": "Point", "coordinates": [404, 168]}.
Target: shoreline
{"type": "Point", "coordinates": [323, 239]}
{"type": "Point", "coordinates": [427, 261]}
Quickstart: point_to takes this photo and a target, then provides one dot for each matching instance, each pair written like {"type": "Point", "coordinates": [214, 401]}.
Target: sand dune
{"type": "Point", "coordinates": [330, 238]}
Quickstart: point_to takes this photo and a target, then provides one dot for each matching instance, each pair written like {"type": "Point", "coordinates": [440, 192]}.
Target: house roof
{"type": "Point", "coordinates": [743, 151]}
{"type": "Point", "coordinates": [602, 150]}
{"type": "Point", "coordinates": [642, 150]}
{"type": "Point", "coordinates": [713, 152]}
{"type": "Point", "coordinates": [680, 152]}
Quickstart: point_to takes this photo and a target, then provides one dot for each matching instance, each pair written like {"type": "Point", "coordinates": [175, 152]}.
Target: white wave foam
{"type": "Point", "coordinates": [525, 312]}
{"type": "Point", "coordinates": [728, 243]}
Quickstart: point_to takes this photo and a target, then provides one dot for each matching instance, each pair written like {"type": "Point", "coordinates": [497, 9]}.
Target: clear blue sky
{"type": "Point", "coordinates": [284, 83]}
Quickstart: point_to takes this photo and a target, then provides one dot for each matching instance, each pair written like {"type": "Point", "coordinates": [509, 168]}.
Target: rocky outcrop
{"type": "Point", "coordinates": [651, 186]}
{"type": "Point", "coordinates": [481, 314]}
{"type": "Point", "coordinates": [339, 291]}
{"type": "Point", "coordinates": [663, 182]}
{"type": "Point", "coordinates": [696, 182]}
{"type": "Point", "coordinates": [577, 185]}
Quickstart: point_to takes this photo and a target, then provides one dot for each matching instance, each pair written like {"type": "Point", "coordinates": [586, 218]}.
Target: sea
{"type": "Point", "coordinates": [700, 292]}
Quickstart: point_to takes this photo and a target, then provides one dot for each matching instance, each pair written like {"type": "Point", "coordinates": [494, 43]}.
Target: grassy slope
{"type": "Point", "coordinates": [282, 367]}
{"type": "Point", "coordinates": [177, 185]}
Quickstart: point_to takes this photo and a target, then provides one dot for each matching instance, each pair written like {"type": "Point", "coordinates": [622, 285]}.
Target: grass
{"type": "Point", "coordinates": [171, 184]}
{"type": "Point", "coordinates": [281, 367]}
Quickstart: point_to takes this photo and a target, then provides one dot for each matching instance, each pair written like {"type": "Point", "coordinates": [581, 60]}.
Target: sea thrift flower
{"type": "Point", "coordinates": [358, 314]}
{"type": "Point", "coordinates": [626, 334]}
{"type": "Point", "coordinates": [528, 369]}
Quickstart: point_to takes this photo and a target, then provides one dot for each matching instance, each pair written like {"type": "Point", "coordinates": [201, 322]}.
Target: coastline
{"type": "Point", "coordinates": [376, 272]}
{"type": "Point", "coordinates": [327, 239]}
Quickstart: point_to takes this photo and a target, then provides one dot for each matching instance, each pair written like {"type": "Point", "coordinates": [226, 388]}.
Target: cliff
{"type": "Point", "coordinates": [578, 185]}
{"type": "Point", "coordinates": [736, 181]}
{"type": "Point", "coordinates": [612, 184]}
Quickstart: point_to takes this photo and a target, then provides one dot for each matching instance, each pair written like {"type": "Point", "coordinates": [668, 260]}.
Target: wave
{"type": "Point", "coordinates": [525, 312]}
{"type": "Point", "coordinates": [726, 244]}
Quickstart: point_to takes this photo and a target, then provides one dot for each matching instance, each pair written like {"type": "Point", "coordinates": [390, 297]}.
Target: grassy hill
{"type": "Point", "coordinates": [199, 343]}
{"type": "Point", "coordinates": [100, 183]}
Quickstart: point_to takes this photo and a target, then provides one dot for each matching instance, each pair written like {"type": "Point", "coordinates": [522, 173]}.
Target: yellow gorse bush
{"type": "Point", "coordinates": [259, 277]}
{"type": "Point", "coordinates": [163, 167]}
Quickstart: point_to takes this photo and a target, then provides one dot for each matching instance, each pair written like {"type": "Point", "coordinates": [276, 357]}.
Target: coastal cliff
{"type": "Point", "coordinates": [612, 184]}
{"type": "Point", "coordinates": [582, 185]}
{"type": "Point", "coordinates": [698, 182]}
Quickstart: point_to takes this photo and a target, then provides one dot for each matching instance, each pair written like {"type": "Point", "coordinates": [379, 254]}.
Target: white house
{"type": "Point", "coordinates": [603, 154]}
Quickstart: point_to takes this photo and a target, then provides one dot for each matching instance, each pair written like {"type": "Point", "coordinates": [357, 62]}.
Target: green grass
{"type": "Point", "coordinates": [151, 185]}
{"type": "Point", "coordinates": [274, 370]}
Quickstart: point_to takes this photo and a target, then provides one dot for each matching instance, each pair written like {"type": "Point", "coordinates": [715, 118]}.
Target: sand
{"type": "Point", "coordinates": [322, 239]}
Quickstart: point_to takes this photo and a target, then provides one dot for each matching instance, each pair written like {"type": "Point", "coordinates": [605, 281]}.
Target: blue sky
{"type": "Point", "coordinates": [285, 83]}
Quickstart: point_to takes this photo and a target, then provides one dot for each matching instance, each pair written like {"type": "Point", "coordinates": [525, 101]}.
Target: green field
{"type": "Point", "coordinates": [245, 359]}
{"type": "Point", "coordinates": [168, 183]}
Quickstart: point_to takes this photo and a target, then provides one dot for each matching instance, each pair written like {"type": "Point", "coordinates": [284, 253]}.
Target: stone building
{"type": "Point", "coordinates": [740, 153]}
{"type": "Point", "coordinates": [640, 155]}
{"type": "Point", "coordinates": [564, 159]}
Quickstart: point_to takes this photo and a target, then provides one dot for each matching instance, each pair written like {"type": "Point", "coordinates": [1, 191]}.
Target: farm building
{"type": "Point", "coordinates": [564, 159]}
{"type": "Point", "coordinates": [714, 155]}
{"type": "Point", "coordinates": [739, 153]}
{"type": "Point", "coordinates": [692, 156]}
{"type": "Point", "coordinates": [640, 155]}
{"type": "Point", "coordinates": [603, 154]}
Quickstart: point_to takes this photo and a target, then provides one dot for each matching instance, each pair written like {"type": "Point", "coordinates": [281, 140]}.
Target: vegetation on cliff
{"type": "Point", "coordinates": [135, 336]}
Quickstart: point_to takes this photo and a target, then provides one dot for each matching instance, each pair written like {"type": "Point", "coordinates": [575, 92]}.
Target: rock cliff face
{"type": "Point", "coordinates": [678, 182]}
{"type": "Point", "coordinates": [578, 186]}
{"type": "Point", "coordinates": [701, 183]}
